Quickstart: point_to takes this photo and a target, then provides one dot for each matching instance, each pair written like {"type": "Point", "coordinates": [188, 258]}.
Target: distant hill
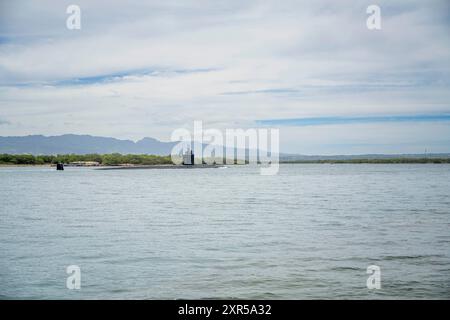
{"type": "Point", "coordinates": [299, 157]}
{"type": "Point", "coordinates": [85, 144]}
{"type": "Point", "coordinates": [81, 144]}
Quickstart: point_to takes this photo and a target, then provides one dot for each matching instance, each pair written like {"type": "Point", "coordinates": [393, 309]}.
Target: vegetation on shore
{"type": "Point", "coordinates": [375, 161]}
{"type": "Point", "coordinates": [143, 159]}
{"type": "Point", "coordinates": [102, 159]}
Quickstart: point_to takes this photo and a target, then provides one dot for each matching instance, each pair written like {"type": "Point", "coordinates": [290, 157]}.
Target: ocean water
{"type": "Point", "coordinates": [309, 232]}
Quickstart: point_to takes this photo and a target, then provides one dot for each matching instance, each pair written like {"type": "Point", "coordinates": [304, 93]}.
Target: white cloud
{"type": "Point", "coordinates": [227, 64]}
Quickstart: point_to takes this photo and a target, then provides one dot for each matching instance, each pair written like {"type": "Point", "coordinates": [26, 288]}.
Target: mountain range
{"type": "Point", "coordinates": [85, 144]}
{"type": "Point", "coordinates": [81, 144]}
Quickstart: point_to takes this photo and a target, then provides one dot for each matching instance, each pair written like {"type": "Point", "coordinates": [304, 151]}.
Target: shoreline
{"type": "Point", "coordinates": [160, 167]}
{"type": "Point", "coordinates": [168, 166]}
{"type": "Point", "coordinates": [6, 165]}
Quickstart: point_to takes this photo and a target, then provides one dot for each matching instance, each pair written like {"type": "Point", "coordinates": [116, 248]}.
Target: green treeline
{"type": "Point", "coordinates": [143, 159]}
{"type": "Point", "coordinates": [103, 159]}
{"type": "Point", "coordinates": [381, 161]}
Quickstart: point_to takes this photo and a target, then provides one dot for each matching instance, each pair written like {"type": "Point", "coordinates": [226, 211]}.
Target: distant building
{"type": "Point", "coordinates": [84, 164]}
{"type": "Point", "coordinates": [188, 158]}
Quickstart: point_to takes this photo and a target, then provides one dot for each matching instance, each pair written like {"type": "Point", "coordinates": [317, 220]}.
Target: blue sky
{"type": "Point", "coordinates": [320, 121]}
{"type": "Point", "coordinates": [313, 69]}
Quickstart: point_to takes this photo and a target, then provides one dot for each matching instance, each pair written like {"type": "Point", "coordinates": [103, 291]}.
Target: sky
{"type": "Point", "coordinates": [310, 68]}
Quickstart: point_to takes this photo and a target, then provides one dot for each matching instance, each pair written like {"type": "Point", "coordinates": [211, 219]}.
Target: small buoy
{"type": "Point", "coordinates": [59, 166]}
